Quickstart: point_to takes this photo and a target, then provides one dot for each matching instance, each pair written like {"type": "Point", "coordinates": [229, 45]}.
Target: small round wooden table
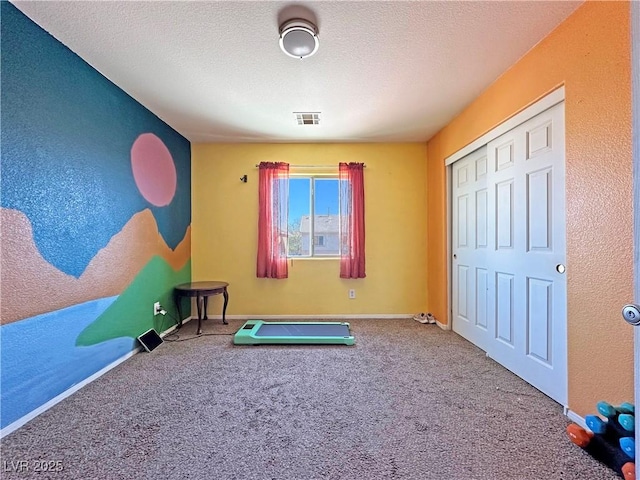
{"type": "Point", "coordinates": [202, 291]}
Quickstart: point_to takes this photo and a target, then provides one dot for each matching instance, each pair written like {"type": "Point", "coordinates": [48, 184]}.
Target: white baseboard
{"type": "Point", "coordinates": [175, 327]}
{"type": "Point", "coordinates": [12, 427]}
{"type": "Point", "coordinates": [574, 417]}
{"type": "Point", "coordinates": [373, 316]}
{"type": "Point", "coordinates": [443, 326]}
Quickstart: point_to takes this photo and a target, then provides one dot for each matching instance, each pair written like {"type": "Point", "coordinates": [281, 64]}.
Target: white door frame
{"type": "Point", "coordinates": [635, 85]}
{"type": "Point", "coordinates": [545, 103]}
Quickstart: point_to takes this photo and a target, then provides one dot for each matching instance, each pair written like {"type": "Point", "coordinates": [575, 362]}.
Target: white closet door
{"type": "Point", "coordinates": [470, 241]}
{"type": "Point", "coordinates": [523, 263]}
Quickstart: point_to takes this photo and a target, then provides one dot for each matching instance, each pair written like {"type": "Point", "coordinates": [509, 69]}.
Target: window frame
{"type": "Point", "coordinates": [312, 244]}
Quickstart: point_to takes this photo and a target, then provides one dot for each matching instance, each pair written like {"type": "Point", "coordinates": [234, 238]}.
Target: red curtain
{"type": "Point", "coordinates": [273, 198]}
{"type": "Point", "coordinates": [351, 179]}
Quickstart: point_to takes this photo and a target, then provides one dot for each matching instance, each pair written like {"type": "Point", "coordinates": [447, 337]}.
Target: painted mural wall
{"type": "Point", "coordinates": [95, 197]}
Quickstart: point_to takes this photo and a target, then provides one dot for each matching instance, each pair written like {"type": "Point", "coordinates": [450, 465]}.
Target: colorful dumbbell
{"type": "Point", "coordinates": [621, 416]}
{"type": "Point", "coordinates": [627, 407]}
{"type": "Point", "coordinates": [628, 446]}
{"type": "Point", "coordinates": [614, 432]}
{"type": "Point", "coordinates": [603, 450]}
{"type": "Point", "coordinates": [612, 428]}
{"type": "Point", "coordinates": [608, 410]}
{"type": "Point", "coordinates": [627, 421]}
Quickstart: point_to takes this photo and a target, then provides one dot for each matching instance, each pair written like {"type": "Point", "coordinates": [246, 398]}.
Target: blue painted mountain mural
{"type": "Point", "coordinates": [95, 208]}
{"type": "Point", "coordinates": [67, 138]}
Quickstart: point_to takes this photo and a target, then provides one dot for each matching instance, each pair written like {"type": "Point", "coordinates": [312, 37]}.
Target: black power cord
{"type": "Point", "coordinates": [170, 337]}
{"type": "Point", "coordinates": [178, 339]}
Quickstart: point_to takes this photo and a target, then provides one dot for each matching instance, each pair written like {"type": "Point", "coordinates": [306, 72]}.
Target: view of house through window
{"type": "Point", "coordinates": [314, 224]}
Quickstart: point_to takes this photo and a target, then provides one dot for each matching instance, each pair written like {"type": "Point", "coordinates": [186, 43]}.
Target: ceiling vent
{"type": "Point", "coordinates": [307, 118]}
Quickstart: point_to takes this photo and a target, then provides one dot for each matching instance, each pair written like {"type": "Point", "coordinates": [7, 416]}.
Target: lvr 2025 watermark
{"type": "Point", "coordinates": [23, 466]}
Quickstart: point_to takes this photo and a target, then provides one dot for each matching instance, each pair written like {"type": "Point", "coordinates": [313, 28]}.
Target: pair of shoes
{"type": "Point", "coordinates": [424, 317]}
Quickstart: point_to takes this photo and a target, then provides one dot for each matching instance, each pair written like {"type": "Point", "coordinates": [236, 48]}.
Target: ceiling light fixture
{"type": "Point", "coordinates": [298, 38]}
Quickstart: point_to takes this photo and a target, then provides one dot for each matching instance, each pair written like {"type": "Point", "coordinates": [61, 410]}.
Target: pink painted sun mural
{"type": "Point", "coordinates": [153, 169]}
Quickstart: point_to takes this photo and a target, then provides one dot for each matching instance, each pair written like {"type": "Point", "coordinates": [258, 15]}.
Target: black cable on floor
{"type": "Point", "coordinates": [169, 337]}
{"type": "Point", "coordinates": [178, 339]}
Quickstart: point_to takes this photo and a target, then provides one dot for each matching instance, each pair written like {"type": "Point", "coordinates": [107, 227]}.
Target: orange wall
{"type": "Point", "coordinates": [590, 54]}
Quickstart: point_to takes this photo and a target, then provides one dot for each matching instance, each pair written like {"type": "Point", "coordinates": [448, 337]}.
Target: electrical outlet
{"type": "Point", "coordinates": [352, 293]}
{"type": "Point", "coordinates": [157, 308]}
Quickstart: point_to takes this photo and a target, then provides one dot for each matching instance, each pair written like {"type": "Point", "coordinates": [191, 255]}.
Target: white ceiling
{"type": "Point", "coordinates": [385, 71]}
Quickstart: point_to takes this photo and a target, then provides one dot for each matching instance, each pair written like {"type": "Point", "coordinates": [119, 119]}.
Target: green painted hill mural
{"type": "Point", "coordinates": [129, 315]}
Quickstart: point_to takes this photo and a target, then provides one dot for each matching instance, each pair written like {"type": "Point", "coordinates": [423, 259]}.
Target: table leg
{"type": "Point", "coordinates": [177, 299]}
{"type": "Point", "coordinates": [198, 300]}
{"type": "Point", "coordinates": [224, 307]}
{"type": "Point", "coordinates": [206, 299]}
{"type": "Point", "coordinates": [198, 307]}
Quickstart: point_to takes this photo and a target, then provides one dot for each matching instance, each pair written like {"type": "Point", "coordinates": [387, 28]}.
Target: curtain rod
{"type": "Point", "coordinates": [311, 166]}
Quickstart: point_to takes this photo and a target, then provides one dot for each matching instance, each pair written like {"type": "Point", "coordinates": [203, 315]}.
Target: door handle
{"type": "Point", "coordinates": [560, 268]}
{"type": "Point", "coordinates": [631, 314]}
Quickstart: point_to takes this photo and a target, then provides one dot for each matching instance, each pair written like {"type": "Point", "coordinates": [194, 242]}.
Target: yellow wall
{"type": "Point", "coordinates": [224, 231]}
{"type": "Point", "coordinates": [590, 54]}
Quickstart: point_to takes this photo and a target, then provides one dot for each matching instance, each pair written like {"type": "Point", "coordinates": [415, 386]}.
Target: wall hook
{"type": "Point", "coordinates": [243, 178]}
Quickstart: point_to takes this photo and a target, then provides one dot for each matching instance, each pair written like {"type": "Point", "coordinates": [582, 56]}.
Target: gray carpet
{"type": "Point", "coordinates": [409, 401]}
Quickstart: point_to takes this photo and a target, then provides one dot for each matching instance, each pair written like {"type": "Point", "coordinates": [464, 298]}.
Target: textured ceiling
{"type": "Point", "coordinates": [385, 71]}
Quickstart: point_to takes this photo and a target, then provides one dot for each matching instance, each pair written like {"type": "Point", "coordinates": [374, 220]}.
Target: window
{"type": "Point", "coordinates": [314, 223]}
{"type": "Point", "coordinates": [339, 232]}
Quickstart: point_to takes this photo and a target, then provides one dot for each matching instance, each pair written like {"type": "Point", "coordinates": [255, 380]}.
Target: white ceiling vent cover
{"type": "Point", "coordinates": [307, 118]}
